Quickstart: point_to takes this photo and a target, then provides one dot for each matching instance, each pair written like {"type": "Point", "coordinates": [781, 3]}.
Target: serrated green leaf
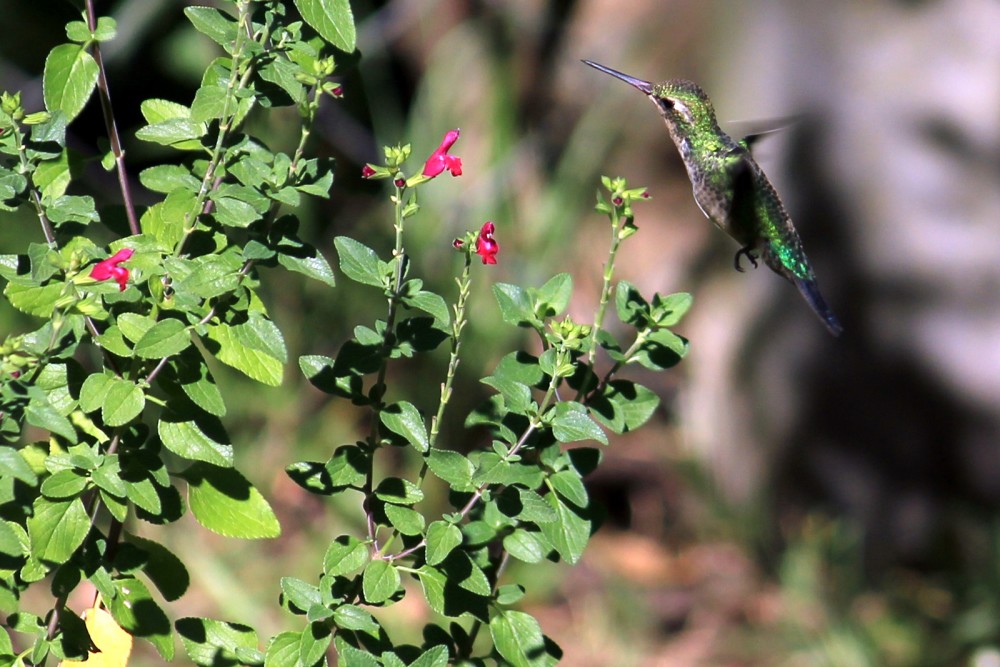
{"type": "Point", "coordinates": [553, 297]}
{"type": "Point", "coordinates": [33, 300]}
{"type": "Point", "coordinates": [332, 19]}
{"type": "Point", "coordinates": [452, 467]}
{"type": "Point", "coordinates": [123, 401]}
{"type": "Point", "coordinates": [632, 308]}
{"type": "Point", "coordinates": [380, 581]}
{"type": "Point", "coordinates": [300, 593]}
{"type": "Point", "coordinates": [442, 538]}
{"type": "Point", "coordinates": [64, 484]}
{"type": "Point", "coordinates": [432, 657]}
{"type": "Point", "coordinates": [572, 424]}
{"type": "Point", "coordinates": [69, 78]}
{"type": "Point", "coordinates": [398, 491]}
{"type": "Point", "coordinates": [189, 440]}
{"type": "Point", "coordinates": [166, 178]}
{"type": "Point", "coordinates": [223, 501]}
{"type": "Point", "coordinates": [404, 418]}
{"type": "Point", "coordinates": [283, 650]}
{"type": "Point", "coordinates": [308, 262]}
{"type": "Point", "coordinates": [525, 546]}
{"type": "Point", "coordinates": [624, 405]}
{"type": "Point", "coordinates": [404, 519]}
{"type": "Point", "coordinates": [180, 133]}
{"type": "Point", "coordinates": [353, 617]}
{"type": "Point", "coordinates": [57, 528]}
{"type": "Point", "coordinates": [166, 220]}
{"type": "Point", "coordinates": [215, 24]}
{"type": "Point", "coordinates": [570, 486]}
{"type": "Point", "coordinates": [255, 348]}
{"type": "Point", "coordinates": [518, 637]}
{"type": "Point", "coordinates": [345, 555]}
{"type": "Point", "coordinates": [165, 338]}
{"type": "Point", "coordinates": [359, 262]}
{"type": "Point", "coordinates": [41, 413]}
{"type": "Point", "coordinates": [570, 533]}
{"type": "Point", "coordinates": [515, 305]}
{"type": "Point", "coordinates": [430, 303]}
{"type": "Point", "coordinates": [669, 310]}
{"type": "Point", "coordinates": [134, 326]}
{"type": "Point", "coordinates": [13, 465]}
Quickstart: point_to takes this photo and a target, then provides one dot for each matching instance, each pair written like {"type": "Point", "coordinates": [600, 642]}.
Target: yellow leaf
{"type": "Point", "coordinates": [114, 643]}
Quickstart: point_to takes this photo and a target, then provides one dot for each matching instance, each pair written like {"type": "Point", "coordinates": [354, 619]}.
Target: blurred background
{"type": "Point", "coordinates": [799, 499]}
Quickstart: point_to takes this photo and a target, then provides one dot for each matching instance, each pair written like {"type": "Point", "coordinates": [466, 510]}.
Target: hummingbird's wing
{"type": "Point", "coordinates": [743, 206]}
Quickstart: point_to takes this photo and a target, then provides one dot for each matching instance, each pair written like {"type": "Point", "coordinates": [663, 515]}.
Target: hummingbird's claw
{"type": "Point", "coordinates": [746, 251]}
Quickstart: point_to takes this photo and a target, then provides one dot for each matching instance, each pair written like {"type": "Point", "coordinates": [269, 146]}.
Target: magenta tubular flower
{"type": "Point", "coordinates": [486, 245]}
{"type": "Point", "coordinates": [367, 171]}
{"type": "Point", "coordinates": [440, 160]}
{"type": "Point", "coordinates": [112, 268]}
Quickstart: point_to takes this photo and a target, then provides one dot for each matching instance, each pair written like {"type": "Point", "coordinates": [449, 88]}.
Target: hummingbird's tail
{"type": "Point", "coordinates": [810, 291]}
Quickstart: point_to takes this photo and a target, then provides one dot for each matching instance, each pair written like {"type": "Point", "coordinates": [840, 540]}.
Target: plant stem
{"type": "Point", "coordinates": [104, 92]}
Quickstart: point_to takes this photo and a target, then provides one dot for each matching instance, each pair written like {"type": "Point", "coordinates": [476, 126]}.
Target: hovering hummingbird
{"type": "Point", "coordinates": [730, 187]}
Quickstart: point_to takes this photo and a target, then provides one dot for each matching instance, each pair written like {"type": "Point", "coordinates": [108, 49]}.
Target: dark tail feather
{"type": "Point", "coordinates": [810, 291]}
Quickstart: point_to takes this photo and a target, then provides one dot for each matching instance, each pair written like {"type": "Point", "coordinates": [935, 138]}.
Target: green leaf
{"type": "Point", "coordinates": [432, 657]}
{"type": "Point", "coordinates": [345, 555]}
{"type": "Point", "coordinates": [134, 609]}
{"type": "Point", "coordinates": [123, 401]}
{"type": "Point", "coordinates": [430, 303]}
{"type": "Point", "coordinates": [525, 546]}
{"type": "Point", "coordinates": [64, 484]}
{"type": "Point", "coordinates": [163, 568]}
{"type": "Point", "coordinates": [255, 348]}
{"type": "Point", "coordinates": [407, 521]}
{"type": "Point", "coordinates": [570, 486]}
{"type": "Point", "coordinates": [403, 418]}
{"type": "Point", "coordinates": [518, 637]}
{"type": "Point", "coordinates": [166, 178]}
{"type": "Point", "coordinates": [93, 390]}
{"type": "Point", "coordinates": [188, 439]}
{"type": "Point", "coordinates": [56, 529]}
{"type": "Point", "coordinates": [308, 262]}
{"type": "Point", "coordinates": [553, 297]}
{"type": "Point", "coordinates": [572, 424]}
{"type": "Point", "coordinates": [299, 593]}
{"type": "Point", "coordinates": [332, 19]}
{"type": "Point", "coordinates": [663, 349]}
{"type": "Point", "coordinates": [359, 262]}
{"type": "Point", "coordinates": [353, 617]}
{"type": "Point", "coordinates": [134, 326]}
{"type": "Point", "coordinates": [452, 467]}
{"type": "Point", "coordinates": [167, 219]}
{"type": "Point", "coordinates": [668, 311]}
{"type": "Point", "coordinates": [72, 208]}
{"type": "Point", "coordinates": [380, 581]}
{"type": "Point", "coordinates": [313, 644]}
{"type": "Point", "coordinates": [223, 501]}
{"type": "Point", "coordinates": [283, 650]}
{"type": "Point", "coordinates": [570, 533]}
{"type": "Point", "coordinates": [218, 26]}
{"type": "Point", "coordinates": [442, 538]}
{"type": "Point", "coordinates": [515, 305]}
{"type": "Point", "coordinates": [398, 491]}
{"type": "Point", "coordinates": [209, 643]}
{"type": "Point", "coordinates": [69, 79]}
{"type": "Point", "coordinates": [41, 413]}
{"type": "Point", "coordinates": [624, 405]}
{"type": "Point", "coordinates": [180, 133]}
{"type": "Point", "coordinates": [166, 338]}
{"type": "Point", "coordinates": [632, 308]}
{"type": "Point", "coordinates": [33, 300]}
{"type": "Point", "coordinates": [13, 465]}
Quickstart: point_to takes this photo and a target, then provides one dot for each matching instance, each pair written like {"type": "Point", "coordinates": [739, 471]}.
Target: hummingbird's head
{"type": "Point", "coordinates": [682, 103]}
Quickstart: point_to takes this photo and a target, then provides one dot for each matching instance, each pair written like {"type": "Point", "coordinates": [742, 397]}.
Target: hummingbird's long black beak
{"type": "Point", "coordinates": [644, 86]}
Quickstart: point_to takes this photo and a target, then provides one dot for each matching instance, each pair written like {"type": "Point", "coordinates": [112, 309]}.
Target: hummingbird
{"type": "Point", "coordinates": [730, 188]}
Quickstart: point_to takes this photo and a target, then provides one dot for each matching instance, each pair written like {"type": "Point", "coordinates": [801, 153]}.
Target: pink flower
{"type": "Point", "coordinates": [367, 171]}
{"type": "Point", "coordinates": [440, 160]}
{"type": "Point", "coordinates": [486, 245]}
{"type": "Point", "coordinates": [112, 268]}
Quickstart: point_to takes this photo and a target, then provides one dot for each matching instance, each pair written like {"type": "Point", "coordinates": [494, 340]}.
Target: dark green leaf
{"type": "Point", "coordinates": [515, 305]}
{"type": "Point", "coordinates": [299, 593]}
{"type": "Point", "coordinates": [525, 546]}
{"type": "Point", "coordinates": [442, 538]}
{"type": "Point", "coordinates": [452, 467]}
{"type": "Point", "coordinates": [134, 609]}
{"type": "Point", "coordinates": [624, 405]}
{"type": "Point", "coordinates": [189, 439]}
{"type": "Point", "coordinates": [166, 338]}
{"type": "Point", "coordinates": [210, 643]}
{"type": "Point", "coordinates": [64, 484]}
{"type": "Point", "coordinates": [123, 401]}
{"type": "Point", "coordinates": [518, 638]}
{"type": "Point", "coordinates": [430, 303]}
{"type": "Point", "coordinates": [552, 298]}
{"type": "Point", "coordinates": [407, 521]}
{"type": "Point", "coordinates": [398, 491]}
{"type": "Point", "coordinates": [166, 570]}
{"type": "Point", "coordinates": [570, 533]}
{"type": "Point", "coordinates": [218, 26]}
{"type": "Point", "coordinates": [353, 617]}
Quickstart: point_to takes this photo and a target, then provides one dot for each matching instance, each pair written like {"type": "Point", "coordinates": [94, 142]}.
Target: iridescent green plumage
{"type": "Point", "coordinates": [730, 187]}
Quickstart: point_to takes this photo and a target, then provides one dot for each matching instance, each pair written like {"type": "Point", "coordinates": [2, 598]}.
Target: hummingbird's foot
{"type": "Point", "coordinates": [746, 251]}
